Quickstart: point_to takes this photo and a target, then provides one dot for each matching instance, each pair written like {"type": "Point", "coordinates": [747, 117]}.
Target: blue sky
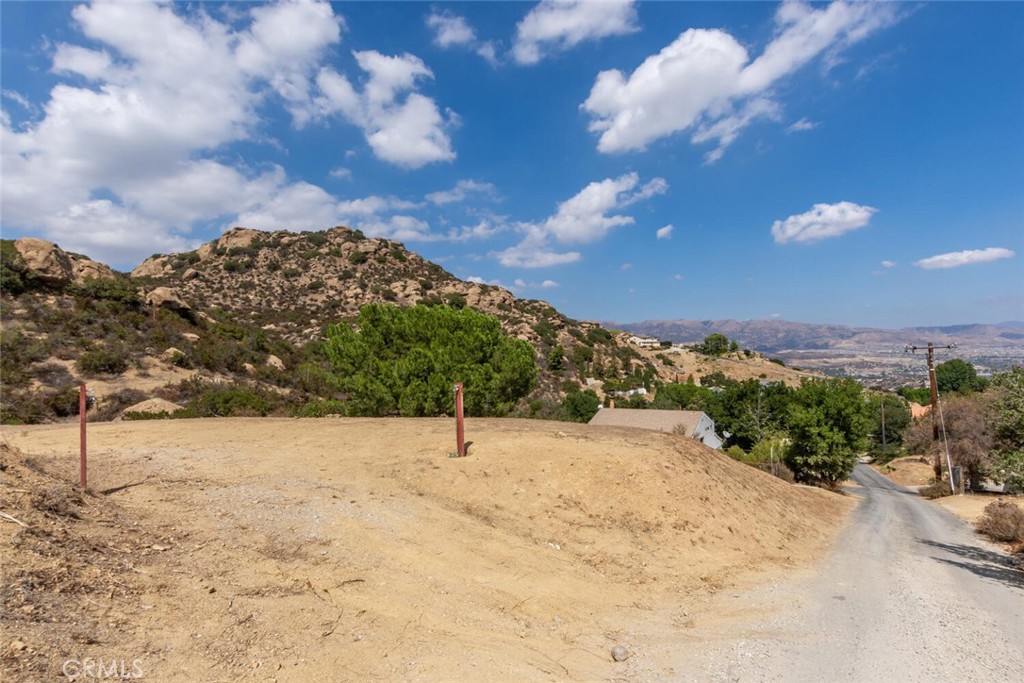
{"type": "Point", "coordinates": [857, 163]}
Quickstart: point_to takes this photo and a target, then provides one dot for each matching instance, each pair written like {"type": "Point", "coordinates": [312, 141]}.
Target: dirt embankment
{"type": "Point", "coordinates": [299, 550]}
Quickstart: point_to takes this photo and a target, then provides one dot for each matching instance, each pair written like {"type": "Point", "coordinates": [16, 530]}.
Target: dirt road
{"type": "Point", "coordinates": [909, 594]}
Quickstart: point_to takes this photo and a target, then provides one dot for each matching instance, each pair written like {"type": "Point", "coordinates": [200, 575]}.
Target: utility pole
{"type": "Point", "coordinates": [937, 465]}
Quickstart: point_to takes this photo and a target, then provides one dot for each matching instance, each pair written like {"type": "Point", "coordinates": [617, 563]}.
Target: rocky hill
{"type": "Point", "coordinates": [247, 306]}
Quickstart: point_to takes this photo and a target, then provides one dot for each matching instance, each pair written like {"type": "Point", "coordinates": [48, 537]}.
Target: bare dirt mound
{"type": "Point", "coordinates": [346, 549]}
{"type": "Point", "coordinates": [912, 470]}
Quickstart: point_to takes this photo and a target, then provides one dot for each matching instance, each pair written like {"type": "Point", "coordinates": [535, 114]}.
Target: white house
{"type": "Point", "coordinates": [692, 423]}
{"type": "Point", "coordinates": [645, 342]}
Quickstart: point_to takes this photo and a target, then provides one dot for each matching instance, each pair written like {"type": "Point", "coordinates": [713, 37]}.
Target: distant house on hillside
{"type": "Point", "coordinates": [645, 342]}
{"type": "Point", "coordinates": [692, 423]}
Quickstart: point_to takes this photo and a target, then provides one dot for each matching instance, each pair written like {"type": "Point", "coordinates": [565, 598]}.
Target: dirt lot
{"type": "Point", "coordinates": [969, 507]}
{"type": "Point", "coordinates": [344, 549]}
{"type": "Point", "coordinates": [912, 470]}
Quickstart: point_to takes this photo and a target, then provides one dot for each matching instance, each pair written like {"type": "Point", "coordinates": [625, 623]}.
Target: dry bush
{"type": "Point", "coordinates": [937, 489]}
{"type": "Point", "coordinates": [1003, 521]}
{"type": "Point", "coordinates": [57, 499]}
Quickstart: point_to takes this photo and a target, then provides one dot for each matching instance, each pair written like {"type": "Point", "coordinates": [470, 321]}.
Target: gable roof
{"type": "Point", "coordinates": [657, 420]}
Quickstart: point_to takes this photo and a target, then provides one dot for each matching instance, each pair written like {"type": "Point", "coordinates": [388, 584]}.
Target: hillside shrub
{"type": "Point", "coordinates": [15, 277]}
{"type": "Point", "coordinates": [119, 290]}
{"type": "Point", "coordinates": [936, 489]}
{"type": "Point", "coordinates": [1002, 521]}
{"type": "Point", "coordinates": [231, 401]}
{"type": "Point", "coordinates": [580, 406]}
{"type": "Point", "coordinates": [319, 408]}
{"type": "Point", "coordinates": [105, 360]}
{"type": "Point", "coordinates": [357, 257]}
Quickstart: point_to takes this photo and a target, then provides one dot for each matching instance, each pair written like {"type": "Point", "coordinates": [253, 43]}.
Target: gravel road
{"type": "Point", "coordinates": [909, 594]}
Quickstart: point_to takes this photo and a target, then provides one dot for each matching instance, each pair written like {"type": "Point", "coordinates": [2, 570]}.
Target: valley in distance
{"type": "Point", "coordinates": [876, 357]}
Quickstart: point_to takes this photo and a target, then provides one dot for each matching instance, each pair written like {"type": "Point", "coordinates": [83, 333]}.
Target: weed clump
{"type": "Point", "coordinates": [1002, 521]}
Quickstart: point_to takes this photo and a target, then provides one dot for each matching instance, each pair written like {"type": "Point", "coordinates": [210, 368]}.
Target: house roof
{"type": "Point", "coordinates": [657, 420]}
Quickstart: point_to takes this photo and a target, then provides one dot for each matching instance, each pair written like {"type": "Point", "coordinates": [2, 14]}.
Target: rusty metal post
{"type": "Point", "coordinates": [460, 429]}
{"type": "Point", "coordinates": [82, 408]}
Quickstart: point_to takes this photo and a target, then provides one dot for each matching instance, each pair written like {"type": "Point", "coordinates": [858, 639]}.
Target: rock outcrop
{"type": "Point", "coordinates": [165, 297]}
{"type": "Point", "coordinates": [46, 261]}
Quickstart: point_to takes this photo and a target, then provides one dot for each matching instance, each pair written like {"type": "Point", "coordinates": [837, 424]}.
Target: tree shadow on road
{"type": "Point", "coordinates": [987, 564]}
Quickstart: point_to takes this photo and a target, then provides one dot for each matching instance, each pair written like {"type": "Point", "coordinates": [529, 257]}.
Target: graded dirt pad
{"type": "Point", "coordinates": [912, 470]}
{"type": "Point", "coordinates": [357, 549]}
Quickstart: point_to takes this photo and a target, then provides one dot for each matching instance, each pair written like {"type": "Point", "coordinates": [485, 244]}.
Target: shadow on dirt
{"type": "Point", "coordinates": [985, 563]}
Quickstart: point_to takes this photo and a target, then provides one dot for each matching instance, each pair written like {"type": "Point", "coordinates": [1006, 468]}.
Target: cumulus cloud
{"type": "Point", "coordinates": [558, 25]}
{"type": "Point", "coordinates": [128, 160]}
{"type": "Point", "coordinates": [888, 264]}
{"type": "Point", "coordinates": [821, 222]}
{"type": "Point", "coordinates": [802, 125]}
{"type": "Point", "coordinates": [409, 132]}
{"type": "Point", "coordinates": [451, 30]}
{"type": "Point", "coordinates": [665, 233]}
{"type": "Point", "coordinates": [584, 218]}
{"type": "Point", "coordinates": [955, 259]}
{"type": "Point", "coordinates": [462, 189]}
{"type": "Point", "coordinates": [706, 82]}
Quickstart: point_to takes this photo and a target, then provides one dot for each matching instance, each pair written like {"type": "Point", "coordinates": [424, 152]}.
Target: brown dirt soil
{"type": "Point", "coordinates": [912, 470]}
{"type": "Point", "coordinates": [969, 506]}
{"type": "Point", "coordinates": [356, 549]}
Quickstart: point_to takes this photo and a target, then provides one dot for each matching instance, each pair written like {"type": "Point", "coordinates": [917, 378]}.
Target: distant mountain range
{"type": "Point", "coordinates": [781, 335]}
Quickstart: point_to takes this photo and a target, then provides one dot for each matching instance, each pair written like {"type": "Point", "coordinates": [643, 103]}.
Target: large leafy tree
{"type": "Point", "coordinates": [957, 375]}
{"type": "Point", "coordinates": [1008, 426]}
{"type": "Point", "coordinates": [828, 424]}
{"type": "Point", "coordinates": [406, 361]}
{"type": "Point", "coordinates": [890, 417]}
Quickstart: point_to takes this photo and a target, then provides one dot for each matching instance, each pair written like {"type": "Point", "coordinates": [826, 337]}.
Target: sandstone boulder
{"type": "Point", "coordinates": [154, 266]}
{"type": "Point", "coordinates": [275, 362]}
{"type": "Point", "coordinates": [238, 237]}
{"type": "Point", "coordinates": [165, 297]}
{"type": "Point", "coordinates": [48, 262]}
{"type": "Point", "coordinates": [84, 268]}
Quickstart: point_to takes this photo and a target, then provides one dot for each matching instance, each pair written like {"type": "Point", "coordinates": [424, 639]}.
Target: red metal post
{"type": "Point", "coordinates": [460, 429]}
{"type": "Point", "coordinates": [82, 408]}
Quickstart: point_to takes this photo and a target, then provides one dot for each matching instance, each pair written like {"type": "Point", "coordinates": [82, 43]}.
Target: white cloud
{"type": "Point", "coordinates": [625, 266]}
{"type": "Point", "coordinates": [705, 80]}
{"type": "Point", "coordinates": [462, 189]}
{"type": "Point", "coordinates": [802, 125]}
{"type": "Point", "coordinates": [955, 259]}
{"type": "Point", "coordinates": [485, 229]}
{"type": "Point", "coordinates": [821, 222]}
{"type": "Point", "coordinates": [888, 264]}
{"type": "Point", "coordinates": [341, 173]}
{"type": "Point", "coordinates": [665, 233]}
{"type": "Point", "coordinates": [558, 25]}
{"type": "Point", "coordinates": [450, 29]}
{"type": "Point", "coordinates": [549, 284]}
{"type": "Point", "coordinates": [409, 133]}
{"type": "Point", "coordinates": [128, 165]}
{"type": "Point", "coordinates": [400, 228]}
{"type": "Point", "coordinates": [476, 279]}
{"type": "Point", "coordinates": [534, 252]}
{"type": "Point", "coordinates": [678, 277]}
{"type": "Point", "coordinates": [584, 218]}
